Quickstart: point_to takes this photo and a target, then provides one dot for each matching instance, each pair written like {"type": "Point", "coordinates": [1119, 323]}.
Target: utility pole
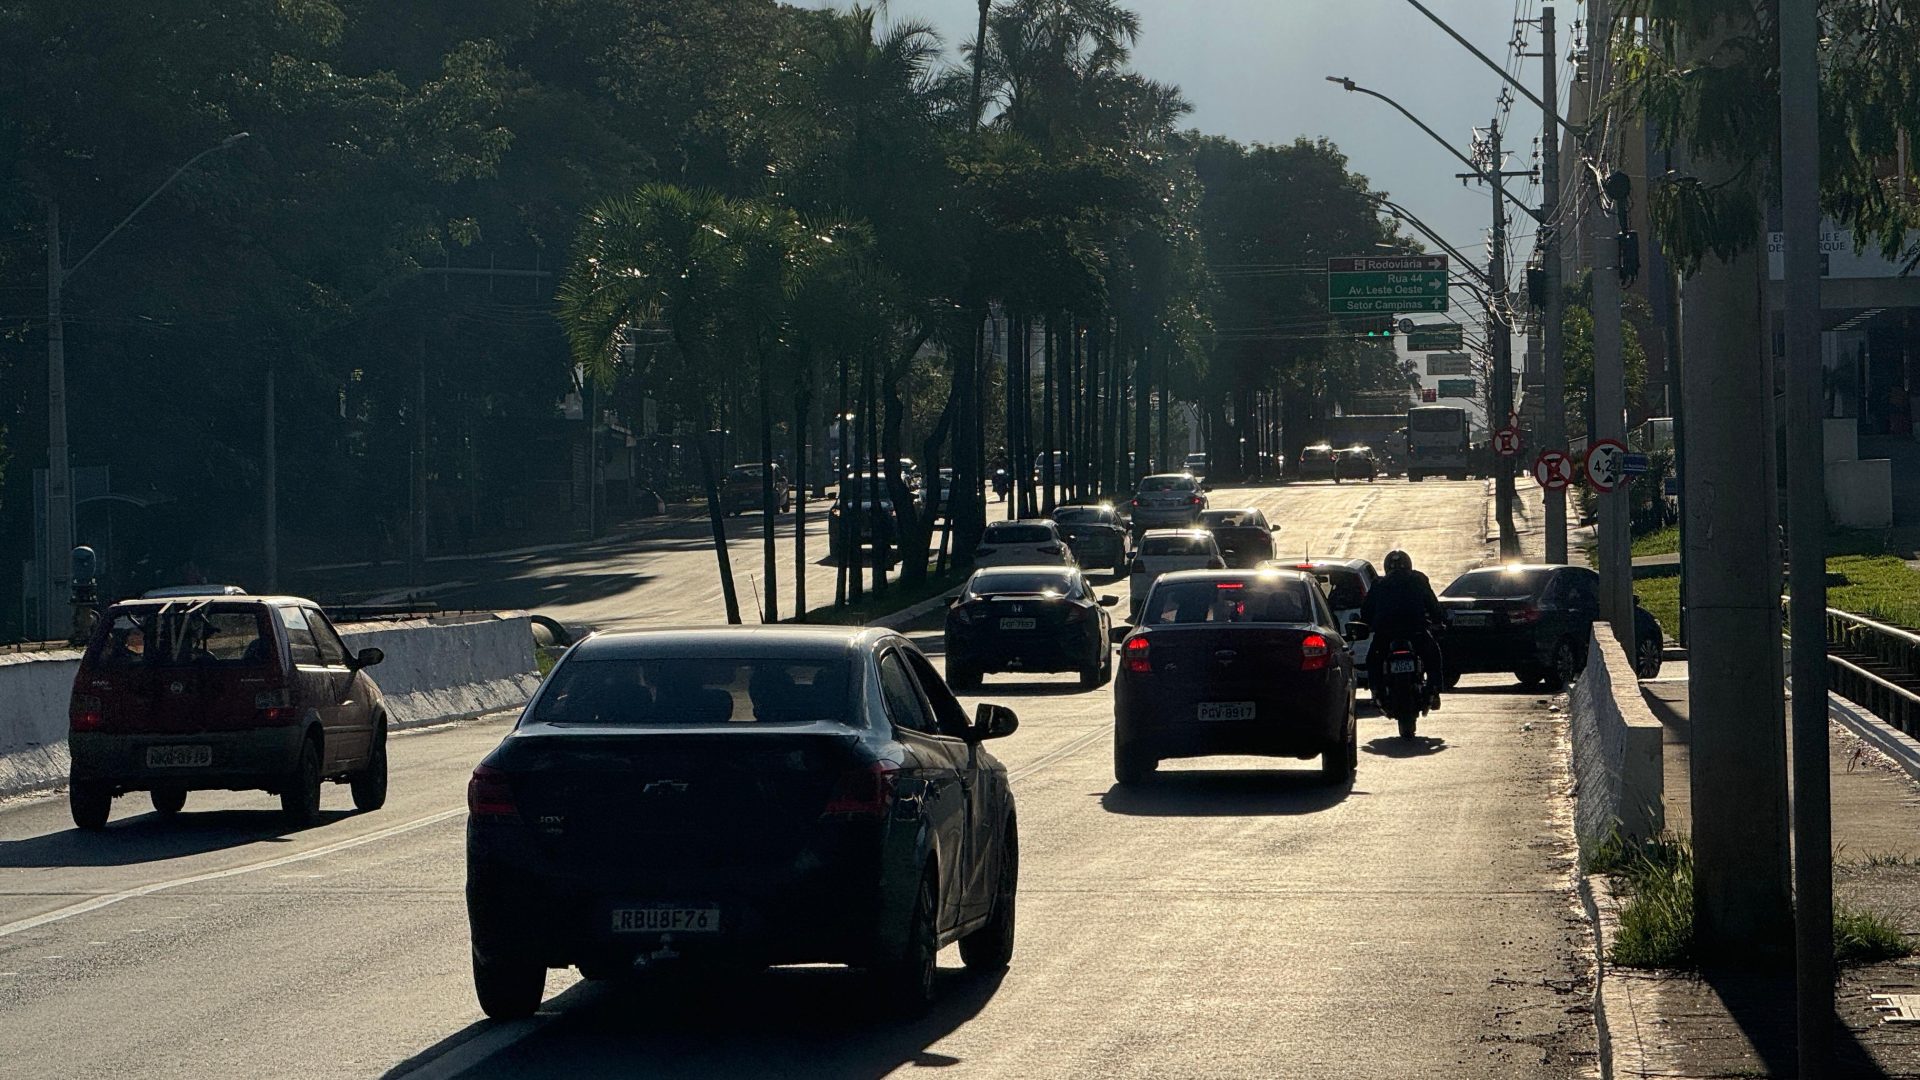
{"type": "Point", "coordinates": [1609, 371]}
{"type": "Point", "coordinates": [1807, 534]}
{"type": "Point", "coordinates": [59, 474]}
{"type": "Point", "coordinates": [1500, 337]}
{"type": "Point", "coordinates": [1742, 902]}
{"type": "Point", "coordinates": [1553, 428]}
{"type": "Point", "coordinates": [271, 483]}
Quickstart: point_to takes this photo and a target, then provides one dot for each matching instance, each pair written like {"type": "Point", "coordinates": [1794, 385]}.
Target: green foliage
{"type": "Point", "coordinates": [1861, 936]}
{"type": "Point", "coordinates": [1658, 542]}
{"type": "Point", "coordinates": [1880, 587]}
{"type": "Point", "coordinates": [1653, 884]}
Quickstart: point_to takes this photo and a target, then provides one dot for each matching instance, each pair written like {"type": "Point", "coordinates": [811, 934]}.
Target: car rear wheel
{"type": "Point", "coordinates": [1530, 678]}
{"type": "Point", "coordinates": [300, 792]}
{"type": "Point", "coordinates": [1647, 658]}
{"type": "Point", "coordinates": [508, 989]}
{"type": "Point", "coordinates": [905, 982]}
{"type": "Point", "coordinates": [1131, 767]}
{"type": "Point", "coordinates": [370, 786]}
{"type": "Point", "coordinates": [1415, 477]}
{"type": "Point", "coordinates": [168, 801]}
{"type": "Point", "coordinates": [1340, 762]}
{"type": "Point", "coordinates": [1565, 666]}
{"type": "Point", "coordinates": [90, 802]}
{"type": "Point", "coordinates": [990, 948]}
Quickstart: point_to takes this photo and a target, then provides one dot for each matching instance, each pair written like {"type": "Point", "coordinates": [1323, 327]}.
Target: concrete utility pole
{"type": "Point", "coordinates": [59, 472]}
{"type": "Point", "coordinates": [1609, 371]}
{"type": "Point", "coordinates": [1807, 533]}
{"type": "Point", "coordinates": [1500, 329]}
{"type": "Point", "coordinates": [1743, 915]}
{"type": "Point", "coordinates": [1553, 428]}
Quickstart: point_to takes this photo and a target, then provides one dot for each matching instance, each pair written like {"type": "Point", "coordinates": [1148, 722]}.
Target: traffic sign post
{"type": "Point", "coordinates": [1606, 465]}
{"type": "Point", "coordinates": [1385, 285]}
{"type": "Point", "coordinates": [1506, 442]}
{"type": "Point", "coordinates": [1434, 338]}
{"type": "Point", "coordinates": [1449, 363]}
{"type": "Point", "coordinates": [1634, 464]}
{"type": "Point", "coordinates": [1553, 470]}
{"type": "Point", "coordinates": [1458, 388]}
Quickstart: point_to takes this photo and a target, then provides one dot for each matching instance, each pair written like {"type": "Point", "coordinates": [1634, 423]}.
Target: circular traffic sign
{"type": "Point", "coordinates": [1506, 442]}
{"type": "Point", "coordinates": [1606, 465]}
{"type": "Point", "coordinates": [1406, 326]}
{"type": "Point", "coordinates": [1553, 470]}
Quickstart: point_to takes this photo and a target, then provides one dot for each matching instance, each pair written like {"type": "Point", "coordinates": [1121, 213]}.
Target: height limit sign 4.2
{"type": "Point", "coordinates": [1386, 284]}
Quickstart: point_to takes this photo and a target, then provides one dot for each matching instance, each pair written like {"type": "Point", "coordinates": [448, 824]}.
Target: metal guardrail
{"type": "Point", "coordinates": [1895, 651]}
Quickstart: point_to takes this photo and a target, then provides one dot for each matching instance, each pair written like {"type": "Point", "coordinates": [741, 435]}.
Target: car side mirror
{"type": "Point", "coordinates": [1118, 634]}
{"type": "Point", "coordinates": [1358, 631]}
{"type": "Point", "coordinates": [993, 722]}
{"type": "Point", "coordinates": [369, 657]}
{"type": "Point", "coordinates": [1108, 600]}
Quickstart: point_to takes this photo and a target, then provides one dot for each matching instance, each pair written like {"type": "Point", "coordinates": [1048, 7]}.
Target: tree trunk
{"type": "Point", "coordinates": [719, 523]}
{"type": "Point", "coordinates": [968, 511]}
{"type": "Point", "coordinates": [880, 526]}
{"type": "Point", "coordinates": [914, 530]}
{"type": "Point", "coordinates": [769, 504]}
{"type": "Point", "coordinates": [1049, 380]}
{"type": "Point", "coordinates": [802, 413]}
{"type": "Point", "coordinates": [1143, 411]}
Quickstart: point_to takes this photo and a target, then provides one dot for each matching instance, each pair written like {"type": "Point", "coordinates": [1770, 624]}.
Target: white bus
{"type": "Point", "coordinates": [1437, 442]}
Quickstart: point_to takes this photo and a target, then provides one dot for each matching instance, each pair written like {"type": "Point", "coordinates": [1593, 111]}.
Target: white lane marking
{"type": "Point", "coordinates": [500, 1037]}
{"type": "Point", "coordinates": [109, 899]}
{"type": "Point", "coordinates": [1053, 756]}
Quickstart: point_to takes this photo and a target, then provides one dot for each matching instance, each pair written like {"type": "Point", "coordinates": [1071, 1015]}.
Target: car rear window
{"type": "Point", "coordinates": [1082, 515]}
{"type": "Point", "coordinates": [1345, 589]}
{"type": "Point", "coordinates": [1176, 545]}
{"type": "Point", "coordinates": [1495, 584]}
{"type": "Point", "coordinates": [1215, 601]}
{"type": "Point", "coordinates": [1166, 483]}
{"type": "Point", "coordinates": [1436, 420]}
{"type": "Point", "coordinates": [1018, 534]}
{"type": "Point", "coordinates": [184, 634]}
{"type": "Point", "coordinates": [1003, 582]}
{"type": "Point", "coordinates": [695, 690]}
{"type": "Point", "coordinates": [1225, 519]}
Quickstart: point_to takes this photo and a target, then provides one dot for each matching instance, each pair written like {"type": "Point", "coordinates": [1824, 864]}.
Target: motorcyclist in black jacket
{"type": "Point", "coordinates": [1401, 607]}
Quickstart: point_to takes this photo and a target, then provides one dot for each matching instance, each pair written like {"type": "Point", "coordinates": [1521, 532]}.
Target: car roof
{"type": "Point", "coordinates": [1316, 564]}
{"type": "Point", "coordinates": [1193, 533]}
{"type": "Point", "coordinates": [1516, 568]}
{"type": "Point", "coordinates": [1020, 521]}
{"type": "Point", "coordinates": [157, 602]}
{"type": "Point", "coordinates": [1178, 576]}
{"type": "Point", "coordinates": [1167, 476]}
{"type": "Point", "coordinates": [176, 591]}
{"type": "Point", "coordinates": [744, 642]}
{"type": "Point", "coordinates": [1027, 568]}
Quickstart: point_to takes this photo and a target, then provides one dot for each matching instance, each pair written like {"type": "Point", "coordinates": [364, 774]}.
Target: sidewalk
{"type": "Point", "coordinates": [1669, 1024]}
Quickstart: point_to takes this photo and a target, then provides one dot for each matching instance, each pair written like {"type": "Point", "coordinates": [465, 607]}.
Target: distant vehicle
{"type": "Point", "coordinates": [1167, 500]}
{"type": "Point", "coordinates": [1029, 618]}
{"type": "Point", "coordinates": [741, 491]}
{"type": "Point", "coordinates": [1244, 536]}
{"type": "Point", "coordinates": [169, 592]}
{"type": "Point", "coordinates": [1534, 621]}
{"type": "Point", "coordinates": [1095, 533]}
{"type": "Point", "coordinates": [1438, 443]}
{"type": "Point", "coordinates": [1234, 662]}
{"type": "Point", "coordinates": [1346, 583]}
{"type": "Point", "coordinates": [1062, 468]}
{"type": "Point", "coordinates": [1316, 462]}
{"type": "Point", "coordinates": [1355, 463]}
{"type": "Point", "coordinates": [223, 693]}
{"type": "Point", "coordinates": [1163, 551]}
{"type": "Point", "coordinates": [876, 524]}
{"type": "Point", "coordinates": [684, 801]}
{"type": "Point", "coordinates": [1198, 463]}
{"type": "Point", "coordinates": [1023, 543]}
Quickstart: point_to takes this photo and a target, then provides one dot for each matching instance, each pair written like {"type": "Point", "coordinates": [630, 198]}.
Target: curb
{"type": "Point", "coordinates": [1886, 738]}
{"type": "Point", "coordinates": [1603, 1034]}
{"type": "Point", "coordinates": [906, 616]}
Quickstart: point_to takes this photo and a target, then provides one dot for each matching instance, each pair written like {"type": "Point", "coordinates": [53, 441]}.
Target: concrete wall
{"type": "Point", "coordinates": [1617, 769]}
{"type": "Point", "coordinates": [1860, 493]}
{"type": "Point", "coordinates": [439, 669]}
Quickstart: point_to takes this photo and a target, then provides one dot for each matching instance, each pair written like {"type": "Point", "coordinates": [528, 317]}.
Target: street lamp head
{"type": "Point", "coordinates": [1343, 81]}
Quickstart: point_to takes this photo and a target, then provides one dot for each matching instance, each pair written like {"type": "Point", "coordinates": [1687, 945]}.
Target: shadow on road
{"type": "Point", "coordinates": [1002, 687]}
{"type": "Point", "coordinates": [1393, 746]}
{"type": "Point", "coordinates": [151, 838]}
{"type": "Point", "coordinates": [1228, 793]}
{"type": "Point", "coordinates": [788, 1022]}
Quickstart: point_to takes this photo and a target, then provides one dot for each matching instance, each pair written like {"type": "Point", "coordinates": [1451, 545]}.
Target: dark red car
{"type": "Point", "coordinates": [223, 692]}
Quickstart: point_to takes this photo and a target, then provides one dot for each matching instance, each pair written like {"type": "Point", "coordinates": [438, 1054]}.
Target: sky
{"type": "Point", "coordinates": [1255, 70]}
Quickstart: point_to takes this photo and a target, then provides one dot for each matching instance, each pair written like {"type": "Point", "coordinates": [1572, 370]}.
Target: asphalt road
{"type": "Point", "coordinates": [1232, 920]}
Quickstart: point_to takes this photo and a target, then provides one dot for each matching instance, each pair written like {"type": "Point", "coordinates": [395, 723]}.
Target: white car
{"type": "Point", "coordinates": [1023, 543]}
{"type": "Point", "coordinates": [1347, 583]}
{"type": "Point", "coordinates": [1163, 551]}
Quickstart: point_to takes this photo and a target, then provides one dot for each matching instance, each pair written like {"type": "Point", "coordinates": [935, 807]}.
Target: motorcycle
{"type": "Point", "coordinates": [1402, 693]}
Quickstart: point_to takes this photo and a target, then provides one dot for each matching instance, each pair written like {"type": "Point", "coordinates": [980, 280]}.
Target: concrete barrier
{"type": "Point", "coordinates": [1617, 769]}
{"type": "Point", "coordinates": [436, 669]}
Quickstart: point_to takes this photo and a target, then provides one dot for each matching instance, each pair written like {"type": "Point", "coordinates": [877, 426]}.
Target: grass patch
{"type": "Point", "coordinates": [545, 656]}
{"type": "Point", "coordinates": [873, 606]}
{"type": "Point", "coordinates": [1866, 937]}
{"type": "Point", "coordinates": [1654, 879]}
{"type": "Point", "coordinates": [1878, 586]}
{"type": "Point", "coordinates": [1658, 542]}
{"type": "Point", "coordinates": [1661, 597]}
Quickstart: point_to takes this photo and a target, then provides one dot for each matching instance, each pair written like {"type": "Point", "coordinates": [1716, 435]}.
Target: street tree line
{"type": "Point", "coordinates": [449, 217]}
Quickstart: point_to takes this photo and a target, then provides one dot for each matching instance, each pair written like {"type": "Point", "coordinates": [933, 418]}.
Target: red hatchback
{"type": "Point", "coordinates": [228, 692]}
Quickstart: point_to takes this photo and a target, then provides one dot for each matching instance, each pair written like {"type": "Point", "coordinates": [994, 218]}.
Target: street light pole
{"type": "Point", "coordinates": [1553, 428]}
{"type": "Point", "coordinates": [59, 534]}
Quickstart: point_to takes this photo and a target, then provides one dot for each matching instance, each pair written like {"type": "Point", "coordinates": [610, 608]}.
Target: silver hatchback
{"type": "Point", "coordinates": [1167, 501]}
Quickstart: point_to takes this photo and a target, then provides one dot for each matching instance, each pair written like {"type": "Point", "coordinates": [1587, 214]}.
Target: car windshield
{"type": "Point", "coordinates": [1496, 584]}
{"type": "Point", "coordinates": [1004, 582]}
{"type": "Point", "coordinates": [1176, 545]}
{"type": "Point", "coordinates": [695, 690]}
{"type": "Point", "coordinates": [1017, 534]}
{"type": "Point", "coordinates": [1156, 484]}
{"type": "Point", "coordinates": [1237, 601]}
{"type": "Point", "coordinates": [1082, 515]}
{"type": "Point", "coordinates": [184, 634]}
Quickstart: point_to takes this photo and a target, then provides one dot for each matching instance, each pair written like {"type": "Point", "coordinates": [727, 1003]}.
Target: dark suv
{"type": "Point", "coordinates": [226, 692]}
{"type": "Point", "coordinates": [741, 491]}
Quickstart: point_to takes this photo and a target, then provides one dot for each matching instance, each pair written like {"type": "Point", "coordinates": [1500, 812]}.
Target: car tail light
{"type": "Point", "coordinates": [1313, 652]}
{"type": "Point", "coordinates": [490, 794]}
{"type": "Point", "coordinates": [1139, 652]}
{"type": "Point", "coordinates": [274, 706]}
{"type": "Point", "coordinates": [865, 792]}
{"type": "Point", "coordinates": [83, 713]}
{"type": "Point", "coordinates": [1193, 500]}
{"type": "Point", "coordinates": [1524, 615]}
{"type": "Point", "coordinates": [1135, 502]}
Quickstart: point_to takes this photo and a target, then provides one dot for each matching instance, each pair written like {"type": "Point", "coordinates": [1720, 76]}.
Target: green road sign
{"type": "Point", "coordinates": [1449, 363]}
{"type": "Point", "coordinates": [1459, 388]}
{"type": "Point", "coordinates": [1388, 284]}
{"type": "Point", "coordinates": [1434, 339]}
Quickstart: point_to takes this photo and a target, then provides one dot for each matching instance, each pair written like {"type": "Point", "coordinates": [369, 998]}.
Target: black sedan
{"type": "Point", "coordinates": [1096, 534]}
{"type": "Point", "coordinates": [1244, 536]}
{"type": "Point", "coordinates": [740, 798]}
{"type": "Point", "coordinates": [1235, 662]}
{"type": "Point", "coordinates": [1533, 621]}
{"type": "Point", "coordinates": [1028, 618]}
